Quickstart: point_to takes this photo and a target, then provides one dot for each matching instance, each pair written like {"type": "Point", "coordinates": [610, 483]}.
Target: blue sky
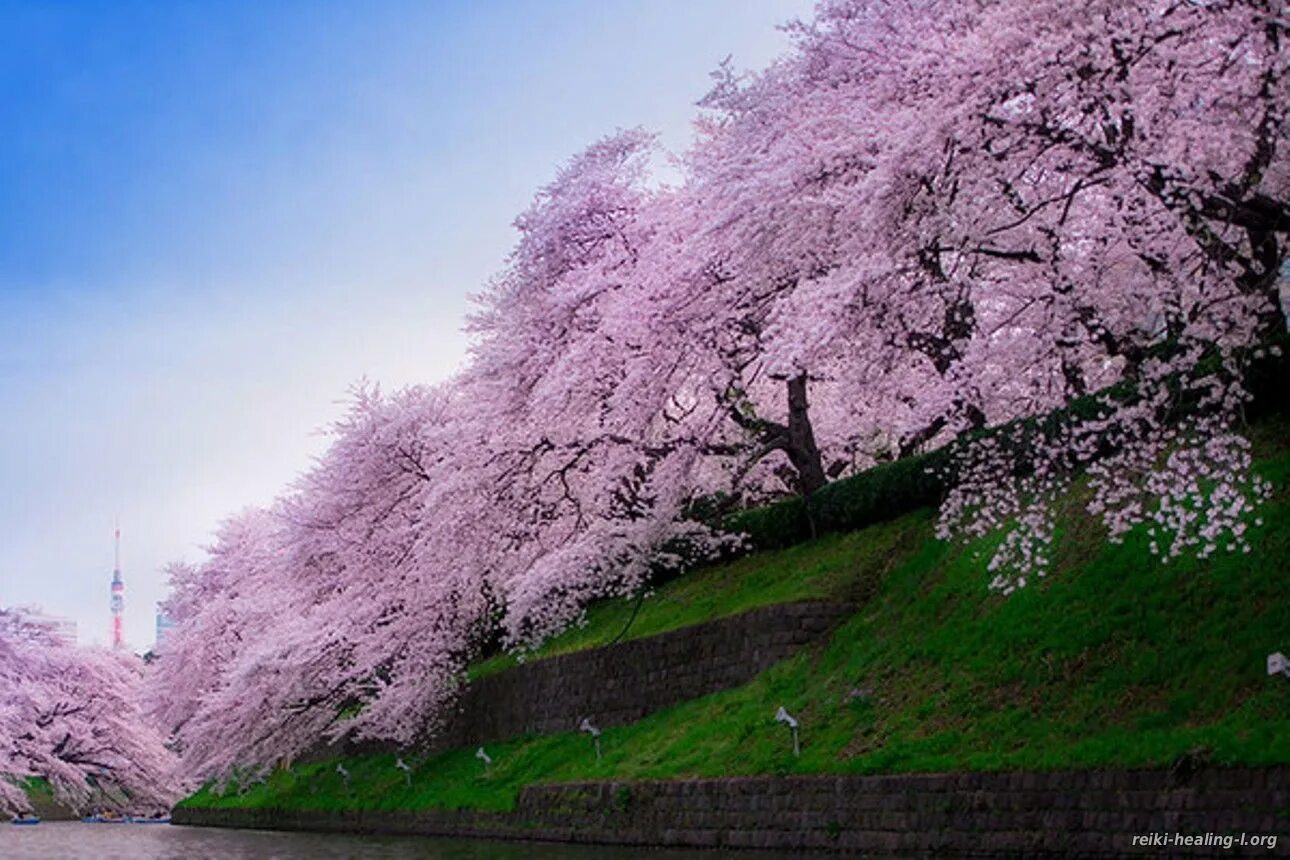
{"type": "Point", "coordinates": [216, 216]}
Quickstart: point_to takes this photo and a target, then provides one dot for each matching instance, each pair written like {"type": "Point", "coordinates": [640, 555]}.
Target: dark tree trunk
{"type": "Point", "coordinates": [796, 438]}
{"type": "Point", "coordinates": [800, 446]}
{"type": "Point", "coordinates": [914, 442]}
{"type": "Point", "coordinates": [910, 445]}
{"type": "Point", "coordinates": [1264, 277]}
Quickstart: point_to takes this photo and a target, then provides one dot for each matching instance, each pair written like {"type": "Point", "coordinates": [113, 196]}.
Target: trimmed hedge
{"type": "Point", "coordinates": [882, 493]}
{"type": "Point", "coordinates": [890, 490]}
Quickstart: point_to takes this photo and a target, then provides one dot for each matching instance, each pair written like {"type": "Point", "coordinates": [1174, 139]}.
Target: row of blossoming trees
{"type": "Point", "coordinates": [71, 716]}
{"type": "Point", "coordinates": [931, 217]}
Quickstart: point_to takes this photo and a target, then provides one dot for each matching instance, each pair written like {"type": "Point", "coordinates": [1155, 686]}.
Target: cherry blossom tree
{"type": "Point", "coordinates": [392, 605]}
{"type": "Point", "coordinates": [71, 716]}
{"type": "Point", "coordinates": [224, 609]}
{"type": "Point", "coordinates": [345, 611]}
{"type": "Point", "coordinates": [583, 486]}
{"type": "Point", "coordinates": [1118, 176]}
{"type": "Point", "coordinates": [985, 203]}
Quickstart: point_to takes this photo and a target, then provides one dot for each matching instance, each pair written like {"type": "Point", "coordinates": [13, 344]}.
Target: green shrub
{"type": "Point", "coordinates": [778, 524]}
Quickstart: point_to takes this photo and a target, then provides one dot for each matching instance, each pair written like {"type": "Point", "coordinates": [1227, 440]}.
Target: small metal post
{"type": "Point", "coordinates": [783, 716]}
{"type": "Point", "coordinates": [586, 726]}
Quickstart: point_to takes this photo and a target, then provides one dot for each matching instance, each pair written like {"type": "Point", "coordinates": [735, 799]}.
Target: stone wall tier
{"type": "Point", "coordinates": [1054, 814]}
{"type": "Point", "coordinates": [615, 685]}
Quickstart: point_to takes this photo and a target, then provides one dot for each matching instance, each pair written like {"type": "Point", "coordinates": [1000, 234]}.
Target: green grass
{"type": "Point", "coordinates": [38, 790]}
{"type": "Point", "coordinates": [837, 567]}
{"type": "Point", "coordinates": [1113, 660]}
{"type": "Point", "coordinates": [41, 797]}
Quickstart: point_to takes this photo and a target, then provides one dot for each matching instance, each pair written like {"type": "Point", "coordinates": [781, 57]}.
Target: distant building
{"type": "Point", "coordinates": [164, 626]}
{"type": "Point", "coordinates": [62, 630]}
{"type": "Point", "coordinates": [118, 596]}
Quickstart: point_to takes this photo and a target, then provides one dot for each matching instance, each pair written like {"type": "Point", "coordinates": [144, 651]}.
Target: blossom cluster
{"type": "Point", "coordinates": [71, 717]}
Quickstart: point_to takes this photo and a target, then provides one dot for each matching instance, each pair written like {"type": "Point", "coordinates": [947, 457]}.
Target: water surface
{"type": "Point", "coordinates": [67, 840]}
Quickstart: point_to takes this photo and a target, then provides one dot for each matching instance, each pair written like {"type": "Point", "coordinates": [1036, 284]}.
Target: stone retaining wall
{"type": "Point", "coordinates": [1067, 814]}
{"type": "Point", "coordinates": [619, 684]}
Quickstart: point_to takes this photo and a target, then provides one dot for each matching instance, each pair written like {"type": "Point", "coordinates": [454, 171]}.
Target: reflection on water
{"type": "Point", "coordinates": [75, 841]}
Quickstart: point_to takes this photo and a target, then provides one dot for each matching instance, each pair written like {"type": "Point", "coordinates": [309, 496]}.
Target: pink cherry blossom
{"type": "Point", "coordinates": [71, 716]}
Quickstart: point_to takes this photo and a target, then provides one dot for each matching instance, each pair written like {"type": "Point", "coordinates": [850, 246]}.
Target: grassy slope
{"type": "Point", "coordinates": [838, 567]}
{"type": "Point", "coordinates": [1113, 660]}
{"type": "Point", "coordinates": [41, 797]}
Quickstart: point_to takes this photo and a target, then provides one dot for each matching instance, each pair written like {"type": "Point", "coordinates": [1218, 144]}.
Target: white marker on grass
{"type": "Point", "coordinates": [586, 726]}
{"type": "Point", "coordinates": [1278, 664]}
{"type": "Point", "coordinates": [783, 716]}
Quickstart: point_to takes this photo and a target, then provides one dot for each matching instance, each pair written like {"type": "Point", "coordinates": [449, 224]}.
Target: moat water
{"type": "Point", "coordinates": [57, 840]}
